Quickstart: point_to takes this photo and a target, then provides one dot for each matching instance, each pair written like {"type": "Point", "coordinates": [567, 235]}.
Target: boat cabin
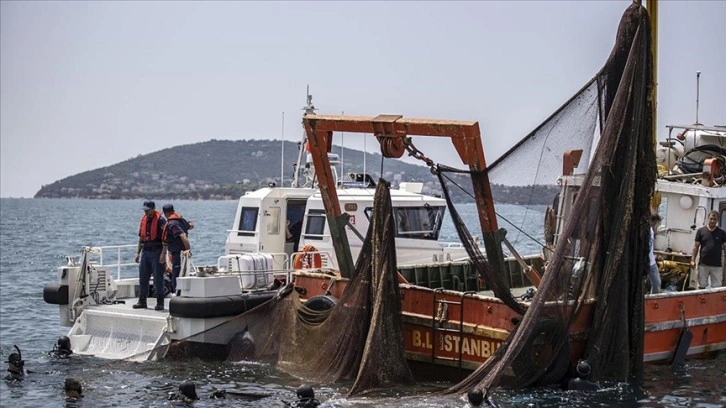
{"type": "Point", "coordinates": [265, 216]}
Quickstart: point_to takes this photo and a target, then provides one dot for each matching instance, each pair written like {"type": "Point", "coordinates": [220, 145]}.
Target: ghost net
{"type": "Point", "coordinates": [597, 269]}
{"type": "Point", "coordinates": [359, 339]}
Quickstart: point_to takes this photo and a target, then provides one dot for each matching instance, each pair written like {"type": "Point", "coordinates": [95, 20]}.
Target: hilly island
{"type": "Point", "coordinates": [225, 170]}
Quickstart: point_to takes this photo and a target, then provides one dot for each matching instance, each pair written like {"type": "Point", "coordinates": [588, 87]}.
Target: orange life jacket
{"type": "Point", "coordinates": [174, 216]}
{"type": "Point", "coordinates": [154, 227]}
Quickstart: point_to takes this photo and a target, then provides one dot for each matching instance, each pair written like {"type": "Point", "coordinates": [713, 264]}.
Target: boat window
{"type": "Point", "coordinates": [247, 221]}
{"type": "Point", "coordinates": [416, 222]}
{"type": "Point", "coordinates": [315, 224]}
{"type": "Point", "coordinates": [273, 220]}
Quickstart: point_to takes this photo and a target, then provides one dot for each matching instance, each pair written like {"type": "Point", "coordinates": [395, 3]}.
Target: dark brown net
{"type": "Point", "coordinates": [360, 339]}
{"type": "Point", "coordinates": [596, 272]}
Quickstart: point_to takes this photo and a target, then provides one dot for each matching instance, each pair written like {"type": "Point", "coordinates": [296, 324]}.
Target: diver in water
{"type": "Point", "coordinates": [16, 366]}
{"type": "Point", "coordinates": [477, 398]}
{"type": "Point", "coordinates": [581, 383]}
{"type": "Point", "coordinates": [305, 398]}
{"type": "Point", "coordinates": [62, 349]}
{"type": "Point", "coordinates": [187, 392]}
{"type": "Point", "coordinates": [74, 390]}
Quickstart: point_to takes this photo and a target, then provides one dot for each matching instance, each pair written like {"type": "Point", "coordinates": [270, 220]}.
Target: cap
{"type": "Point", "coordinates": [149, 205]}
{"type": "Point", "coordinates": [168, 208]}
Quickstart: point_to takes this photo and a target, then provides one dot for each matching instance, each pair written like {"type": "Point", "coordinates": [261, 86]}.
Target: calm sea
{"type": "Point", "coordinates": [37, 235]}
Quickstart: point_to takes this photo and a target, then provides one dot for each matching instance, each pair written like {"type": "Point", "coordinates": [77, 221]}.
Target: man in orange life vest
{"type": "Point", "coordinates": [175, 240]}
{"type": "Point", "coordinates": [149, 250]}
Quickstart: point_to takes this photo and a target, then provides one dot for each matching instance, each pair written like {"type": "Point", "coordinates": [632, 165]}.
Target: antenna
{"type": "Point", "coordinates": [309, 109]}
{"type": "Point", "coordinates": [342, 149]}
{"type": "Point", "coordinates": [282, 152]}
{"type": "Point", "coordinates": [698, 86]}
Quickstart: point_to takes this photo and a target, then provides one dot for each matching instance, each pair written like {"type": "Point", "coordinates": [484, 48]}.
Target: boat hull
{"type": "Point", "coordinates": [461, 330]}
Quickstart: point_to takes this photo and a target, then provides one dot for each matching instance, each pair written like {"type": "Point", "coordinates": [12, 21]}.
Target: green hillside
{"type": "Point", "coordinates": [224, 169]}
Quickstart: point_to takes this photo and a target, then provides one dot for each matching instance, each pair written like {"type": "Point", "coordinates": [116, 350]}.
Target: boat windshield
{"type": "Point", "coordinates": [422, 222]}
{"type": "Point", "coordinates": [247, 221]}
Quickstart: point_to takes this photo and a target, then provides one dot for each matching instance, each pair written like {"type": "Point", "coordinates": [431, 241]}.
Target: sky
{"type": "Point", "coordinates": [88, 84]}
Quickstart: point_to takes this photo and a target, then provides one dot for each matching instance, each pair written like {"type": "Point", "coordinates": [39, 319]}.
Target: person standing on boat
{"type": "Point", "coordinates": [175, 241]}
{"type": "Point", "coordinates": [711, 241]}
{"type": "Point", "coordinates": [149, 255]}
{"type": "Point", "coordinates": [653, 273]}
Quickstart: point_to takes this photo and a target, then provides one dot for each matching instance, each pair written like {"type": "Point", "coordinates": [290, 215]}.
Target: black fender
{"type": "Point", "coordinates": [217, 306]}
{"type": "Point", "coordinates": [321, 303]}
{"type": "Point", "coordinates": [55, 294]}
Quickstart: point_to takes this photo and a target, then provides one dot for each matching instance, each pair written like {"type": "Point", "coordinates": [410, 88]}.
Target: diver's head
{"type": "Point", "coordinates": [475, 397]}
{"type": "Point", "coordinates": [73, 388]}
{"type": "Point", "coordinates": [15, 359]}
{"type": "Point", "coordinates": [188, 390]}
{"type": "Point", "coordinates": [583, 368]}
{"type": "Point", "coordinates": [64, 343]}
{"type": "Point", "coordinates": [305, 392]}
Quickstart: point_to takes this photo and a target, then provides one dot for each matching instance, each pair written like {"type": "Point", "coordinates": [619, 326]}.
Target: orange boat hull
{"type": "Point", "coordinates": [462, 330]}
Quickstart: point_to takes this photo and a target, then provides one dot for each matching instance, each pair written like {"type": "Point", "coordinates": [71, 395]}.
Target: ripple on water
{"type": "Point", "coordinates": [26, 265]}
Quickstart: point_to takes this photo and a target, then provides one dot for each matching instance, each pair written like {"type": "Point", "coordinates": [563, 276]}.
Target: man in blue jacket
{"type": "Point", "coordinates": [175, 241]}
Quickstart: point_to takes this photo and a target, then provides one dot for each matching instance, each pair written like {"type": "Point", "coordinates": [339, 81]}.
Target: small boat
{"type": "Point", "coordinates": [97, 304]}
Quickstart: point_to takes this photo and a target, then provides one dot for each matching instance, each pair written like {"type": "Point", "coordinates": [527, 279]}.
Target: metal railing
{"type": "Point", "coordinates": [117, 253]}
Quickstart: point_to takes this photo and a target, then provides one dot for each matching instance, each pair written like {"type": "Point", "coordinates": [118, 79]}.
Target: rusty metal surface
{"type": "Point", "coordinates": [464, 135]}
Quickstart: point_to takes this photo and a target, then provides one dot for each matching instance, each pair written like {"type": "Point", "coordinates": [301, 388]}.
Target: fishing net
{"type": "Point", "coordinates": [591, 294]}
{"type": "Point", "coordinates": [359, 339]}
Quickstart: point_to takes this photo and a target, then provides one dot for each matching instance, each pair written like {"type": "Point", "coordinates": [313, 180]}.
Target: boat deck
{"type": "Point", "coordinates": [127, 308]}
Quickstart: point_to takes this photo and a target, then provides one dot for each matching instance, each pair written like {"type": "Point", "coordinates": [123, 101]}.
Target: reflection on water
{"type": "Point", "coordinates": [37, 235]}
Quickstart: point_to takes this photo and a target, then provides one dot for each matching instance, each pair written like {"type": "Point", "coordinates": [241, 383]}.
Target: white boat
{"type": "Point", "coordinates": [259, 256]}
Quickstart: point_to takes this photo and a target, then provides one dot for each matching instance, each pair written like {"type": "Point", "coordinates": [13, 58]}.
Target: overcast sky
{"type": "Point", "coordinates": [91, 83]}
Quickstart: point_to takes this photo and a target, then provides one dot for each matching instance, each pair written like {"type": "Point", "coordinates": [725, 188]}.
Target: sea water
{"type": "Point", "coordinates": [36, 236]}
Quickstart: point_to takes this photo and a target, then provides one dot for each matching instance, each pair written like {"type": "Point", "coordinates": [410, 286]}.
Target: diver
{"type": "Point", "coordinates": [73, 389]}
{"type": "Point", "coordinates": [16, 366]}
{"type": "Point", "coordinates": [305, 398]}
{"type": "Point", "coordinates": [187, 392]}
{"type": "Point", "coordinates": [477, 398]}
{"type": "Point", "coordinates": [581, 383]}
{"type": "Point", "coordinates": [62, 349]}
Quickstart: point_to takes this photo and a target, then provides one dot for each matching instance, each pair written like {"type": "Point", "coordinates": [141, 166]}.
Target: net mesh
{"type": "Point", "coordinates": [596, 272]}
{"type": "Point", "coordinates": [359, 339]}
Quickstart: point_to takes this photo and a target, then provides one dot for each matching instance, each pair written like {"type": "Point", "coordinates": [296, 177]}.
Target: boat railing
{"type": "Point", "coordinates": [114, 257]}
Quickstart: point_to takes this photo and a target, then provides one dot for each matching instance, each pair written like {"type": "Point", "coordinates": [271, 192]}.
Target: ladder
{"type": "Point", "coordinates": [438, 316]}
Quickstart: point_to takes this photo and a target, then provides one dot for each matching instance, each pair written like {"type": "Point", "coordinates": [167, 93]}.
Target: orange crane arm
{"type": "Point", "coordinates": [464, 135]}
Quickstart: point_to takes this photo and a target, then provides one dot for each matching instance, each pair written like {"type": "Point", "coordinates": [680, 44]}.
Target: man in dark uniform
{"type": "Point", "coordinates": [175, 241]}
{"type": "Point", "coordinates": [149, 255]}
